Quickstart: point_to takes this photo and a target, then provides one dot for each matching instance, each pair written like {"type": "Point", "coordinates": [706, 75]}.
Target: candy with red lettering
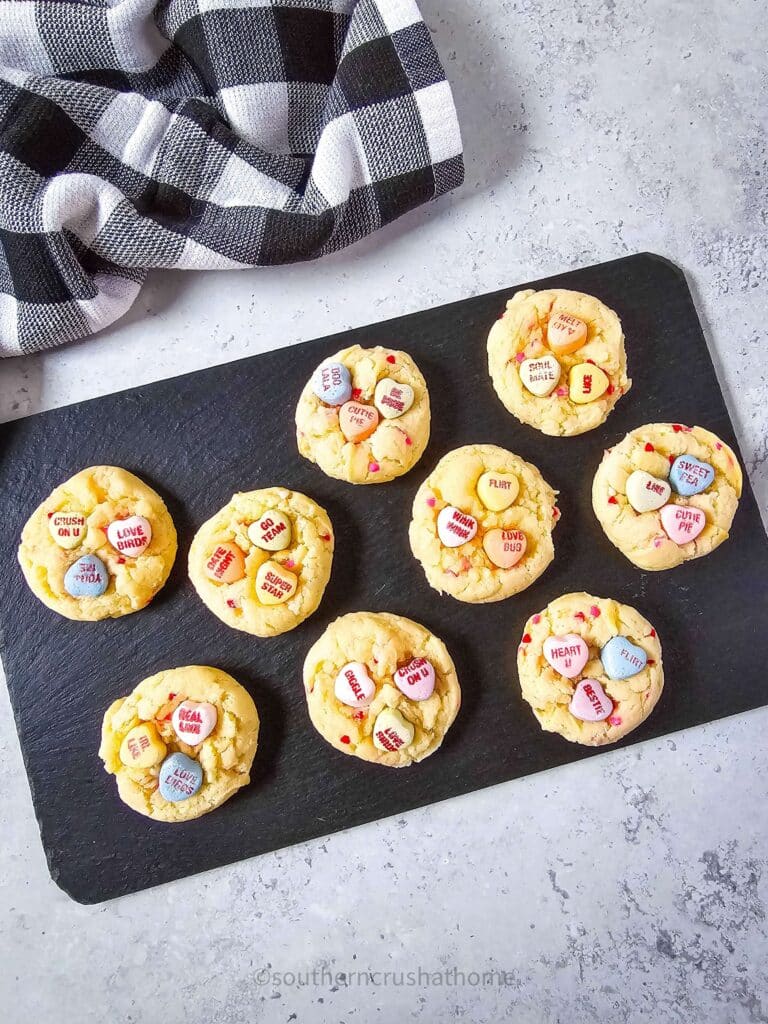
{"type": "Point", "coordinates": [357, 421]}
{"type": "Point", "coordinates": [226, 564]}
{"type": "Point", "coordinates": [540, 376]}
{"type": "Point", "coordinates": [505, 548]}
{"type": "Point", "coordinates": [497, 491]}
{"type": "Point", "coordinates": [275, 584]}
{"type": "Point", "coordinates": [690, 476]}
{"type": "Point", "coordinates": [130, 536]}
{"type": "Point", "coordinates": [142, 746]}
{"type": "Point", "coordinates": [682, 523]}
{"type": "Point", "coordinates": [354, 685]}
{"type": "Point", "coordinates": [416, 679]}
{"type": "Point", "coordinates": [646, 493]}
{"type": "Point", "coordinates": [67, 528]}
{"type": "Point", "coordinates": [622, 659]}
{"type": "Point", "coordinates": [392, 398]}
{"type": "Point", "coordinates": [392, 732]}
{"type": "Point", "coordinates": [586, 383]}
{"type": "Point", "coordinates": [272, 532]}
{"type": "Point", "coordinates": [180, 777]}
{"type": "Point", "coordinates": [193, 722]}
{"type": "Point", "coordinates": [566, 654]}
{"type": "Point", "coordinates": [590, 702]}
{"type": "Point", "coordinates": [565, 333]}
{"type": "Point", "coordinates": [332, 383]}
{"type": "Point", "coordinates": [455, 527]}
{"type": "Point", "coordinates": [87, 577]}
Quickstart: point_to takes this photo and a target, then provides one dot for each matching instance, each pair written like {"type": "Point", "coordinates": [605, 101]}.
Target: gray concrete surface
{"type": "Point", "coordinates": [633, 887]}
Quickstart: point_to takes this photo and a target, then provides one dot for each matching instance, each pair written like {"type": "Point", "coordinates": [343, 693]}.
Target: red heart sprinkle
{"type": "Point", "coordinates": [594, 611]}
{"type": "Point", "coordinates": [390, 359]}
{"type": "Point", "coordinates": [581, 616]}
{"type": "Point", "coordinates": [171, 696]}
{"type": "Point", "coordinates": [610, 389]}
{"type": "Point", "coordinates": [555, 512]}
{"type": "Point", "coordinates": [408, 441]}
{"type": "Point", "coordinates": [527, 638]}
{"type": "Point", "coordinates": [373, 467]}
{"type": "Point", "coordinates": [345, 739]}
{"type": "Point", "coordinates": [356, 392]}
{"type": "Point", "coordinates": [652, 633]}
{"type": "Point", "coordinates": [650, 661]}
{"type": "Point", "coordinates": [121, 561]}
{"type": "Point", "coordinates": [671, 459]}
{"type": "Point", "coordinates": [230, 603]}
{"type": "Point", "coordinates": [50, 514]}
{"type": "Point", "coordinates": [676, 427]}
{"type": "Point", "coordinates": [325, 536]}
{"type": "Point", "coordinates": [649, 447]}
{"type": "Point", "coordinates": [613, 500]}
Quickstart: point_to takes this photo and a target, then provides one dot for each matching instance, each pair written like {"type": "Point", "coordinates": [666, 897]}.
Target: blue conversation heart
{"type": "Point", "coordinates": [332, 383]}
{"type": "Point", "coordinates": [87, 577]}
{"type": "Point", "coordinates": [689, 475]}
{"type": "Point", "coordinates": [180, 777]}
{"type": "Point", "coordinates": [622, 659]}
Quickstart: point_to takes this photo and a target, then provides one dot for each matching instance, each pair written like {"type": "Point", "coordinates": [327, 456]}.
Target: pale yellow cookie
{"type": "Point", "coordinates": [261, 564]}
{"type": "Point", "coordinates": [651, 450]}
{"type": "Point", "coordinates": [595, 622]}
{"type": "Point", "coordinates": [100, 546]}
{"type": "Point", "coordinates": [218, 729]}
{"type": "Point", "coordinates": [574, 388]}
{"type": "Point", "coordinates": [468, 571]}
{"type": "Point", "coordinates": [383, 723]}
{"type": "Point", "coordinates": [379, 431]}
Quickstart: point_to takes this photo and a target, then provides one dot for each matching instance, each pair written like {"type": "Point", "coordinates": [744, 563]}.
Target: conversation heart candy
{"type": "Point", "coordinates": [392, 398]}
{"type": "Point", "coordinates": [357, 421]}
{"type": "Point", "coordinates": [540, 376]}
{"type": "Point", "coordinates": [275, 584]}
{"type": "Point", "coordinates": [67, 528]}
{"type": "Point", "coordinates": [505, 548]}
{"type": "Point", "coordinates": [590, 702]}
{"type": "Point", "coordinates": [272, 532]}
{"type": "Point", "coordinates": [130, 536]}
{"type": "Point", "coordinates": [87, 577]}
{"type": "Point", "coordinates": [682, 524]}
{"type": "Point", "coordinates": [567, 654]}
{"type": "Point", "coordinates": [497, 491]}
{"type": "Point", "coordinates": [455, 527]}
{"type": "Point", "coordinates": [180, 777]}
{"type": "Point", "coordinates": [565, 333]}
{"type": "Point", "coordinates": [689, 475]}
{"type": "Point", "coordinates": [142, 746]}
{"type": "Point", "coordinates": [622, 659]}
{"type": "Point", "coordinates": [645, 493]}
{"type": "Point", "coordinates": [193, 722]}
{"type": "Point", "coordinates": [391, 731]}
{"type": "Point", "coordinates": [226, 564]}
{"type": "Point", "coordinates": [416, 679]}
{"type": "Point", "coordinates": [332, 383]}
{"type": "Point", "coordinates": [354, 685]}
{"type": "Point", "coordinates": [586, 383]}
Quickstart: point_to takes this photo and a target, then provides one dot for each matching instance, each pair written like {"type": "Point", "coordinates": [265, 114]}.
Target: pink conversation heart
{"type": "Point", "coordinates": [354, 685]}
{"type": "Point", "coordinates": [416, 679]}
{"type": "Point", "coordinates": [590, 702]}
{"type": "Point", "coordinates": [566, 654]}
{"type": "Point", "coordinates": [682, 523]}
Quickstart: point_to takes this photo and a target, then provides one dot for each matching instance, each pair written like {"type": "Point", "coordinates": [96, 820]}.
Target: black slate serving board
{"type": "Point", "coordinates": [199, 437]}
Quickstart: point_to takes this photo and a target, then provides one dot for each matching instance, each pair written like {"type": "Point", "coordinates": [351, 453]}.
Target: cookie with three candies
{"type": "Point", "coordinates": [557, 360]}
{"type": "Point", "coordinates": [261, 563]}
{"type": "Point", "coordinates": [181, 743]}
{"type": "Point", "coordinates": [364, 415]}
{"type": "Point", "coordinates": [590, 668]}
{"type": "Point", "coordinates": [382, 688]}
{"type": "Point", "coordinates": [482, 523]}
{"type": "Point", "coordinates": [667, 493]}
{"type": "Point", "coordinates": [100, 546]}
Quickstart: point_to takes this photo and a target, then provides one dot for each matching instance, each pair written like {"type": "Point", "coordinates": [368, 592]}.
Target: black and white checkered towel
{"type": "Point", "coordinates": [202, 134]}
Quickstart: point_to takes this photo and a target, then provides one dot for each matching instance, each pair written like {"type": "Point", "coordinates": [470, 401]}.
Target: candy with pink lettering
{"type": "Point", "coordinates": [275, 584]}
{"type": "Point", "coordinates": [416, 679]}
{"type": "Point", "coordinates": [505, 548]}
{"type": "Point", "coordinates": [622, 659]}
{"type": "Point", "coordinates": [67, 528]}
{"type": "Point", "coordinates": [682, 523]}
{"type": "Point", "coordinates": [142, 746]}
{"type": "Point", "coordinates": [392, 398]}
{"type": "Point", "coordinates": [332, 383]}
{"type": "Point", "coordinates": [193, 722]}
{"type": "Point", "coordinates": [272, 532]}
{"type": "Point", "coordinates": [455, 527]}
{"type": "Point", "coordinates": [354, 685]}
{"type": "Point", "coordinates": [392, 732]}
{"type": "Point", "coordinates": [590, 702]}
{"type": "Point", "coordinates": [690, 476]}
{"type": "Point", "coordinates": [567, 654]}
{"type": "Point", "coordinates": [226, 564]}
{"type": "Point", "coordinates": [87, 577]}
{"type": "Point", "coordinates": [130, 536]}
{"type": "Point", "coordinates": [357, 421]}
{"type": "Point", "coordinates": [646, 493]}
{"type": "Point", "coordinates": [540, 376]}
{"type": "Point", "coordinates": [497, 491]}
{"type": "Point", "coordinates": [180, 777]}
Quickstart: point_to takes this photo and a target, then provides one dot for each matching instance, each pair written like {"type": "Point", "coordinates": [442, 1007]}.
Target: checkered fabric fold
{"type": "Point", "coordinates": [202, 134]}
